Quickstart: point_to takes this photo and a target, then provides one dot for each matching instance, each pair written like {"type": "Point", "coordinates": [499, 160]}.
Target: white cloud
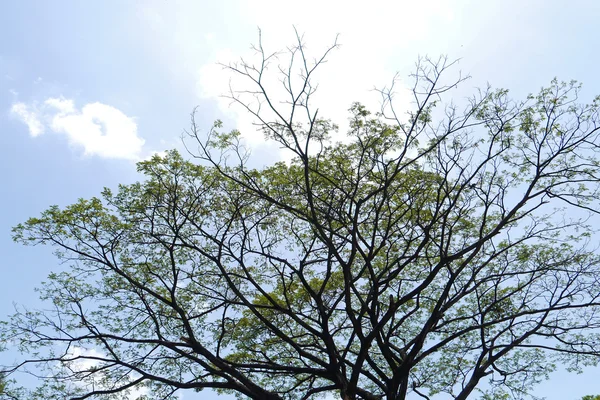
{"type": "Point", "coordinates": [99, 129]}
{"type": "Point", "coordinates": [29, 116]}
{"type": "Point", "coordinates": [63, 106]}
{"type": "Point", "coordinates": [369, 38]}
{"type": "Point", "coordinates": [151, 154]}
{"type": "Point", "coordinates": [377, 39]}
{"type": "Point", "coordinates": [86, 359]}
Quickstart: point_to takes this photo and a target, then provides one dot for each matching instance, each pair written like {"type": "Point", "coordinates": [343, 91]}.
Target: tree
{"type": "Point", "coordinates": [449, 250]}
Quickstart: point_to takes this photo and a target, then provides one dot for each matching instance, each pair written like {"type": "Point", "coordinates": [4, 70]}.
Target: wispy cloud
{"type": "Point", "coordinates": [99, 129]}
{"type": "Point", "coordinates": [29, 116]}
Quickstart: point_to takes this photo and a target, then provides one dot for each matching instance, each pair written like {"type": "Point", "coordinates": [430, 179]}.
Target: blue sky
{"type": "Point", "coordinates": [87, 88]}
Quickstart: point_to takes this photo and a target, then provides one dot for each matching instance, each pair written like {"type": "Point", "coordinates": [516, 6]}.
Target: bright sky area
{"type": "Point", "coordinates": [89, 87]}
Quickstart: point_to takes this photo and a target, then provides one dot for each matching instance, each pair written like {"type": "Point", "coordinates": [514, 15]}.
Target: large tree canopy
{"type": "Point", "coordinates": [447, 250]}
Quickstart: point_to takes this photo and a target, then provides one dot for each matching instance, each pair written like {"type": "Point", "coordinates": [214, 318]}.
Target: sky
{"type": "Point", "coordinates": [89, 88]}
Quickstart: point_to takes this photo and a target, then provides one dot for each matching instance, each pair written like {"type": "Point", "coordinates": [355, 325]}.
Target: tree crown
{"type": "Point", "coordinates": [445, 252]}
